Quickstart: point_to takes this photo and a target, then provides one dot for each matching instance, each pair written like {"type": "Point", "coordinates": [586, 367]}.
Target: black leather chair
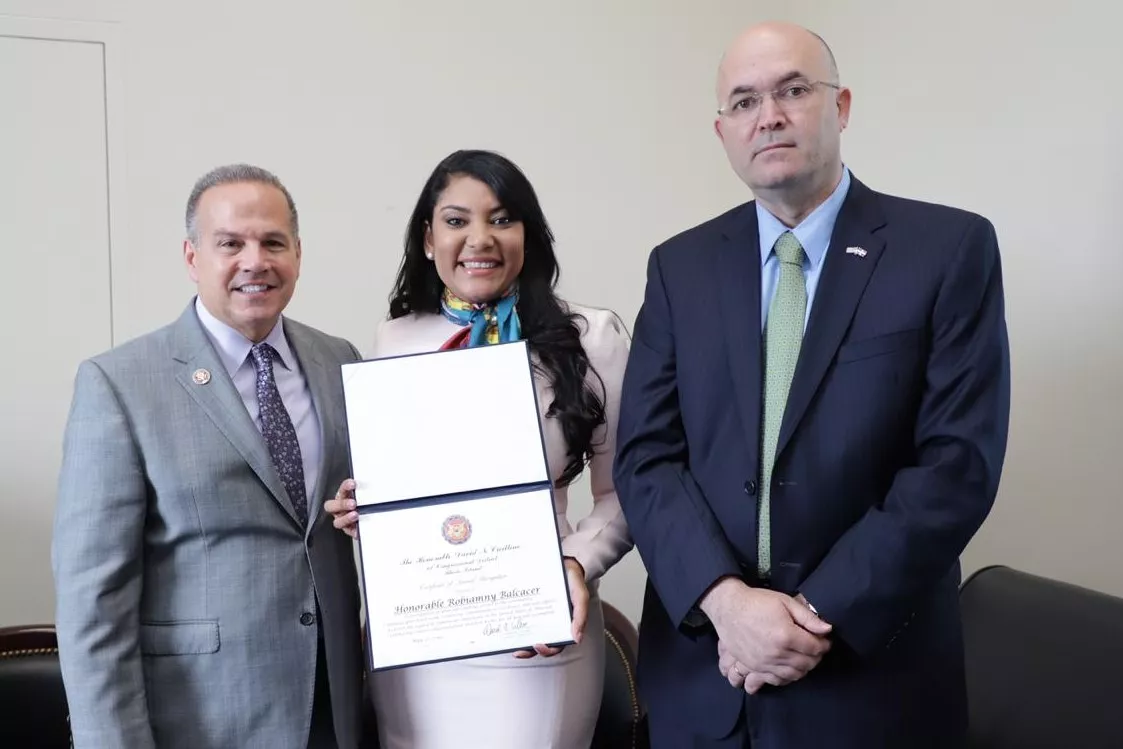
{"type": "Point", "coordinates": [1044, 662]}
{"type": "Point", "coordinates": [621, 723]}
{"type": "Point", "coordinates": [33, 711]}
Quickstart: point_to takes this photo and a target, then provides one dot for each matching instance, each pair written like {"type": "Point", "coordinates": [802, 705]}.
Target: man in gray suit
{"type": "Point", "coordinates": [204, 598]}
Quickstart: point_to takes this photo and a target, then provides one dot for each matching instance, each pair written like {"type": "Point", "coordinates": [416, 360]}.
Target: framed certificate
{"type": "Point", "coordinates": [458, 537]}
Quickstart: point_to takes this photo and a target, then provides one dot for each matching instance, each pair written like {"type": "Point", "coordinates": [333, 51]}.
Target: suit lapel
{"type": "Point", "coordinates": [220, 401]}
{"type": "Point", "coordinates": [328, 411]}
{"type": "Point", "coordinates": [841, 285]}
{"type": "Point", "coordinates": [738, 284]}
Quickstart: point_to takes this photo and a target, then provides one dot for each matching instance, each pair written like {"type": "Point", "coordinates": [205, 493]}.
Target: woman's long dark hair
{"type": "Point", "coordinates": [549, 328]}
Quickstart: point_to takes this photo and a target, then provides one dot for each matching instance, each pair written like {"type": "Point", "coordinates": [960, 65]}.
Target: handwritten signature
{"type": "Point", "coordinates": [513, 625]}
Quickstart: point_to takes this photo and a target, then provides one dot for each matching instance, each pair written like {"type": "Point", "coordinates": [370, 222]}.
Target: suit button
{"type": "Point", "coordinates": [306, 619]}
{"type": "Point", "coordinates": [750, 488]}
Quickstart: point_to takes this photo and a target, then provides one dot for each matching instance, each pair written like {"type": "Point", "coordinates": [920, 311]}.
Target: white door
{"type": "Point", "coordinates": [55, 293]}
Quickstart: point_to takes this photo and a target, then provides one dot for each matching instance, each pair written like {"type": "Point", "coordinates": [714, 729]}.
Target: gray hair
{"type": "Point", "coordinates": [230, 174]}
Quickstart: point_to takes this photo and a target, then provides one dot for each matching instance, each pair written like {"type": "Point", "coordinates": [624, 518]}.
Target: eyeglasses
{"type": "Point", "coordinates": [787, 97]}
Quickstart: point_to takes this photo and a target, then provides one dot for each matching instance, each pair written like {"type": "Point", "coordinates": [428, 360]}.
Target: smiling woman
{"type": "Point", "coordinates": [474, 242]}
{"type": "Point", "coordinates": [479, 269]}
{"type": "Point", "coordinates": [480, 253]}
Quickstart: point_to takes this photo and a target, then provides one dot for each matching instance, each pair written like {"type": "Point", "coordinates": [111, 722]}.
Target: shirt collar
{"type": "Point", "coordinates": [813, 233]}
{"type": "Point", "coordinates": [233, 347]}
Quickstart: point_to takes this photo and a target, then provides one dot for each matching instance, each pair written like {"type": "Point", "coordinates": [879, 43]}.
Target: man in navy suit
{"type": "Point", "coordinates": [813, 426]}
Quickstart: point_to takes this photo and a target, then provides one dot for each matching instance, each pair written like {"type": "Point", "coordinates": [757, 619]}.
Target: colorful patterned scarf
{"type": "Point", "coordinates": [484, 324]}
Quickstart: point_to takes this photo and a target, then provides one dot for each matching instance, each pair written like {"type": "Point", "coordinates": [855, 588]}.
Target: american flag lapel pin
{"type": "Point", "coordinates": [856, 251]}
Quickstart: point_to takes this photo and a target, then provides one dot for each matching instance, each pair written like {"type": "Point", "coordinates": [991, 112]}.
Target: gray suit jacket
{"type": "Point", "coordinates": [187, 591]}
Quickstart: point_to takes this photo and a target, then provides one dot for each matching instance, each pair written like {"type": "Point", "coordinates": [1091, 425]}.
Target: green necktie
{"type": "Point", "coordinates": [782, 338]}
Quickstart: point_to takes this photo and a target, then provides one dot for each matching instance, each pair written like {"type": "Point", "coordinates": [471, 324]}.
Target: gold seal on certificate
{"type": "Point", "coordinates": [459, 552]}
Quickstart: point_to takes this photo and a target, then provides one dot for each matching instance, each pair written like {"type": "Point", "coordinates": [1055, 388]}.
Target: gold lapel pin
{"type": "Point", "coordinates": [201, 376]}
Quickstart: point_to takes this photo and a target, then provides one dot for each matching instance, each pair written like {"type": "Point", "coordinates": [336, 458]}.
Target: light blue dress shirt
{"type": "Point", "coordinates": [813, 233]}
{"type": "Point", "coordinates": [234, 350]}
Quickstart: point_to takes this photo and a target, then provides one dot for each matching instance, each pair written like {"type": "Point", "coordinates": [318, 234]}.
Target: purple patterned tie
{"type": "Point", "coordinates": [277, 428]}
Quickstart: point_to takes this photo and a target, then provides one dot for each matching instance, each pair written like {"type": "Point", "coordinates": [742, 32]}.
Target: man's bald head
{"type": "Point", "coordinates": [770, 33]}
{"type": "Point", "coordinates": [832, 64]}
{"type": "Point", "coordinates": [781, 114]}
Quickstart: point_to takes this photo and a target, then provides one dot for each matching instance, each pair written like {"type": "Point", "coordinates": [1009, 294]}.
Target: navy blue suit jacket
{"type": "Point", "coordinates": [889, 457]}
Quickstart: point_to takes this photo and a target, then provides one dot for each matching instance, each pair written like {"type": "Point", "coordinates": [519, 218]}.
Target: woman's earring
{"type": "Point", "coordinates": [429, 255]}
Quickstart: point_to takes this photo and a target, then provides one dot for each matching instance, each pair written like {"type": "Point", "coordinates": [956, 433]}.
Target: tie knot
{"type": "Point", "coordinates": [262, 354]}
{"type": "Point", "coordinates": [788, 249]}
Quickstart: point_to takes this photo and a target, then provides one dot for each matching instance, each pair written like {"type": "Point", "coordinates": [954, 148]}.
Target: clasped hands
{"type": "Point", "coordinates": [764, 637]}
{"type": "Point", "coordinates": [345, 517]}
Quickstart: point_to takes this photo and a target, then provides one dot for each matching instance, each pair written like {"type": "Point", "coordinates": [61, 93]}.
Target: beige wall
{"type": "Point", "coordinates": [607, 106]}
